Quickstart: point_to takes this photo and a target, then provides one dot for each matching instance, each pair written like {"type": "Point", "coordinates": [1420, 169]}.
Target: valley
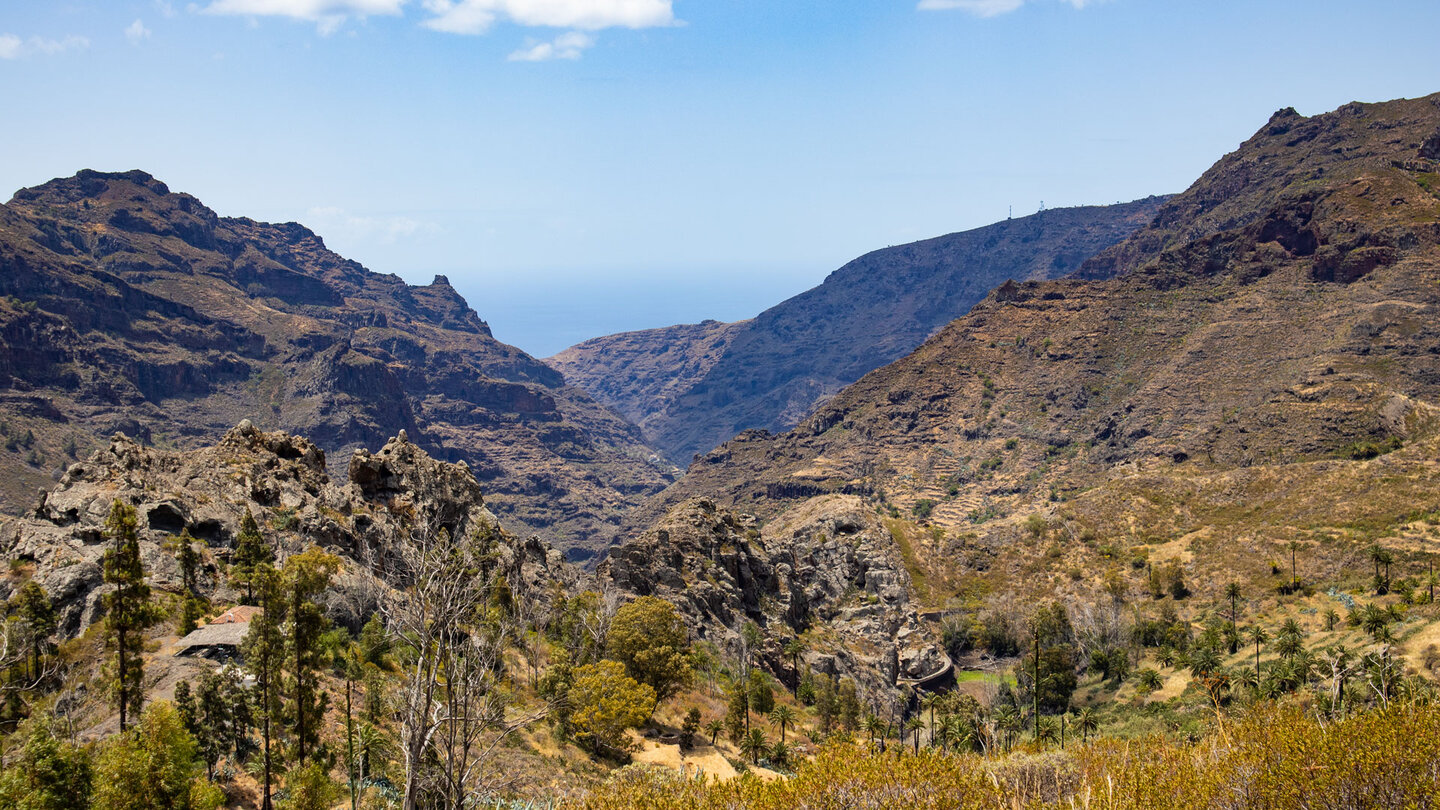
{"type": "Point", "coordinates": [1121, 506]}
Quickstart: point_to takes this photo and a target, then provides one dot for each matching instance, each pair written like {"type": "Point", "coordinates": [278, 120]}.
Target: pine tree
{"type": "Point", "coordinates": [252, 552]}
{"type": "Point", "coordinates": [128, 606]}
{"type": "Point", "coordinates": [215, 724]}
{"type": "Point", "coordinates": [32, 605]}
{"type": "Point", "coordinates": [189, 562]}
{"type": "Point", "coordinates": [264, 651]}
{"type": "Point", "coordinates": [307, 575]}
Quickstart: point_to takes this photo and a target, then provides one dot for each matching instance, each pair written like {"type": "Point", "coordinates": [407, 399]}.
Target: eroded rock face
{"type": "Point", "coordinates": [282, 480]}
{"type": "Point", "coordinates": [827, 562]}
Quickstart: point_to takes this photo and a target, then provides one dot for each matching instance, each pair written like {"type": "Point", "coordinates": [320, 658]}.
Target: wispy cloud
{"type": "Point", "coordinates": [385, 230]}
{"type": "Point", "coordinates": [328, 15]}
{"type": "Point", "coordinates": [13, 47]}
{"type": "Point", "coordinates": [989, 8]}
{"type": "Point", "coordinates": [569, 45]}
{"type": "Point", "coordinates": [165, 7]}
{"type": "Point", "coordinates": [136, 32]}
{"type": "Point", "coordinates": [476, 16]}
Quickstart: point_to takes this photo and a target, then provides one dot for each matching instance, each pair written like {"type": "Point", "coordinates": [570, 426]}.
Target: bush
{"type": "Point", "coordinates": [604, 703]}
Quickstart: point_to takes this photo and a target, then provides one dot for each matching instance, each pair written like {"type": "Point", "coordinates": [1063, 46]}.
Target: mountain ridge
{"type": "Point", "coordinates": [165, 321]}
{"type": "Point", "coordinates": [774, 369]}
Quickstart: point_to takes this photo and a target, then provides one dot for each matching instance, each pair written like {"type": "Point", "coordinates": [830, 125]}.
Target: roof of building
{"type": "Point", "coordinates": [215, 635]}
{"type": "Point", "coordinates": [240, 614]}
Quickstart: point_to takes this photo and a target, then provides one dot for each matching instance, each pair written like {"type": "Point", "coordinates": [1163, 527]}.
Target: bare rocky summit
{"type": "Point", "coordinates": [128, 307]}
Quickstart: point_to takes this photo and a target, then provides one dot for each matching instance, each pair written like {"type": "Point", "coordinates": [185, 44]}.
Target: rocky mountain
{"type": "Point", "coordinates": [128, 307]}
{"type": "Point", "coordinates": [283, 480]}
{"type": "Point", "coordinates": [640, 374]}
{"type": "Point", "coordinates": [1260, 364]}
{"type": "Point", "coordinates": [692, 387]}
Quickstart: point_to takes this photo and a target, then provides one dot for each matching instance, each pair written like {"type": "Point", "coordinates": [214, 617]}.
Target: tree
{"type": "Point", "coordinates": [374, 642]}
{"type": "Point", "coordinates": [605, 702]}
{"type": "Point", "coordinates": [651, 639]}
{"type": "Point", "coordinates": [1088, 722]}
{"type": "Point", "coordinates": [214, 717]}
{"type": "Point", "coordinates": [129, 611]}
{"type": "Point", "coordinates": [713, 728]}
{"type": "Point", "coordinates": [185, 706]}
{"type": "Point", "coordinates": [306, 576]}
{"type": "Point", "coordinates": [755, 745]}
{"type": "Point", "coordinates": [1258, 636]}
{"type": "Point", "coordinates": [453, 716]}
{"type": "Point", "coordinates": [793, 649]}
{"type": "Point", "coordinates": [762, 697]}
{"type": "Point", "coordinates": [152, 766]}
{"type": "Point", "coordinates": [31, 605]}
{"type": "Point", "coordinates": [188, 560]}
{"type": "Point", "coordinates": [252, 552]}
{"type": "Point", "coordinates": [310, 788]}
{"type": "Point", "coordinates": [264, 651]}
{"type": "Point", "coordinates": [1232, 592]}
{"type": "Point", "coordinates": [874, 727]}
{"type": "Point", "coordinates": [1150, 680]}
{"type": "Point", "coordinates": [915, 725]}
{"type": "Point", "coordinates": [690, 728]}
{"type": "Point", "coordinates": [782, 716]}
{"type": "Point", "coordinates": [48, 774]}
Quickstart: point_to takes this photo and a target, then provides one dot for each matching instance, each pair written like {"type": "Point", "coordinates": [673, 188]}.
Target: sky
{"type": "Point", "coordinates": [581, 167]}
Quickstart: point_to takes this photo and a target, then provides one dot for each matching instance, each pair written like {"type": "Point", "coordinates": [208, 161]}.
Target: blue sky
{"type": "Point", "coordinates": [579, 167]}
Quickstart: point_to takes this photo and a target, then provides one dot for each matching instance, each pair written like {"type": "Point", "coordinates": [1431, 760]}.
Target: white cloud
{"type": "Point", "coordinates": [989, 8]}
{"type": "Point", "coordinates": [476, 16]}
{"type": "Point", "coordinates": [13, 47]}
{"type": "Point", "coordinates": [569, 45]}
{"type": "Point", "coordinates": [328, 15]}
{"type": "Point", "coordinates": [165, 7]}
{"type": "Point", "coordinates": [136, 32]}
{"type": "Point", "coordinates": [385, 230]}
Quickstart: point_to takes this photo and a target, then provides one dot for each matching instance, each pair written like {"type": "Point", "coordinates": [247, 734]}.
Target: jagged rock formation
{"type": "Point", "coordinates": [828, 569]}
{"type": "Point", "coordinates": [692, 387]}
{"type": "Point", "coordinates": [127, 307]}
{"type": "Point", "coordinates": [283, 480]}
{"type": "Point", "coordinates": [1302, 323]}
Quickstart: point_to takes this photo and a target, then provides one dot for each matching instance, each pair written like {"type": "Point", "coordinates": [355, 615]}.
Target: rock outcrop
{"type": "Point", "coordinates": [829, 566]}
{"type": "Point", "coordinates": [283, 480]}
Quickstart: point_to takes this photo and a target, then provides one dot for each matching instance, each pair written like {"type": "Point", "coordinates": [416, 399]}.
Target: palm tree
{"type": "Point", "coordinates": [1007, 720]}
{"type": "Point", "coordinates": [1232, 592]}
{"type": "Point", "coordinates": [1088, 722]}
{"type": "Point", "coordinates": [713, 728]}
{"type": "Point", "coordinates": [1294, 577]}
{"type": "Point", "coordinates": [792, 650]}
{"type": "Point", "coordinates": [754, 745]}
{"type": "Point", "coordinates": [1045, 729]}
{"type": "Point", "coordinates": [1166, 656]}
{"type": "Point", "coordinates": [782, 716]}
{"type": "Point", "coordinates": [780, 753]}
{"type": "Point", "coordinates": [1259, 636]}
{"type": "Point", "coordinates": [953, 730]}
{"type": "Point", "coordinates": [1331, 619]}
{"type": "Point", "coordinates": [1381, 557]}
{"type": "Point", "coordinates": [874, 726]}
{"type": "Point", "coordinates": [915, 724]}
{"type": "Point", "coordinates": [1204, 662]}
{"type": "Point", "coordinates": [929, 701]}
{"type": "Point", "coordinates": [1150, 680]}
